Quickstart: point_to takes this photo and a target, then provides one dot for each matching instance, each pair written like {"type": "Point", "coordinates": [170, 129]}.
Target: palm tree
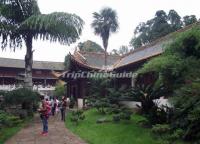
{"type": "Point", "coordinates": [105, 23]}
{"type": "Point", "coordinates": [21, 21]}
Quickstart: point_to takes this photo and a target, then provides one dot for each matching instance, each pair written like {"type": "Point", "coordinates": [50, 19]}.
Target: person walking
{"type": "Point", "coordinates": [63, 108]}
{"type": "Point", "coordinates": [54, 105]}
{"type": "Point", "coordinates": [44, 111]}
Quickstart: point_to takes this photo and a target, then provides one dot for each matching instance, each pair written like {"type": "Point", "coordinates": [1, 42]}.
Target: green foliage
{"type": "Point", "coordinates": [165, 132]}
{"type": "Point", "coordinates": [160, 115]}
{"type": "Point", "coordinates": [160, 129]}
{"type": "Point", "coordinates": [180, 61]}
{"type": "Point", "coordinates": [146, 94]}
{"type": "Point", "coordinates": [120, 113]}
{"type": "Point", "coordinates": [59, 90]}
{"type": "Point", "coordinates": [116, 117]}
{"type": "Point", "coordinates": [90, 46]}
{"type": "Point", "coordinates": [98, 94]}
{"type": "Point", "coordinates": [101, 104]}
{"type": "Point", "coordinates": [186, 44]}
{"type": "Point", "coordinates": [26, 18]}
{"type": "Point", "coordinates": [24, 97]}
{"type": "Point", "coordinates": [189, 19]}
{"type": "Point", "coordinates": [20, 96]}
{"type": "Point", "coordinates": [159, 26]}
{"type": "Point", "coordinates": [8, 120]}
{"type": "Point", "coordinates": [187, 110]}
{"type": "Point", "coordinates": [108, 102]}
{"type": "Point", "coordinates": [179, 68]}
{"type": "Point", "coordinates": [122, 50]}
{"type": "Point", "coordinates": [164, 64]}
{"type": "Point", "coordinates": [77, 116]}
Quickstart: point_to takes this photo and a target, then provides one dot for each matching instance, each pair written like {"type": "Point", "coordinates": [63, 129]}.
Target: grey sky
{"type": "Point", "coordinates": [130, 13]}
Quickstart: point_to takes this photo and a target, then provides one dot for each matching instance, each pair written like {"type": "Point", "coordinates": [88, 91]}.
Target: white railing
{"type": "Point", "coordinates": [35, 87]}
{"type": "Point", "coordinates": [43, 88]}
{"type": "Point", "coordinates": [8, 87]}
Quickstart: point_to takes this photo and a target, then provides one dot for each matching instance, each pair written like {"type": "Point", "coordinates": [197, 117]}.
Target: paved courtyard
{"type": "Point", "coordinates": [58, 134]}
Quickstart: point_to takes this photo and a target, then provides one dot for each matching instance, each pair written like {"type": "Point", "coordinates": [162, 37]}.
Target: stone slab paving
{"type": "Point", "coordinates": [58, 134]}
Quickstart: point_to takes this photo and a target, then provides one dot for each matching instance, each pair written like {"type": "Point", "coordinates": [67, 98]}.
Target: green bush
{"type": "Point", "coordinates": [59, 91]}
{"type": "Point", "coordinates": [116, 117]}
{"type": "Point", "coordinates": [146, 94]}
{"type": "Point", "coordinates": [24, 97]}
{"type": "Point", "coordinates": [180, 61]}
{"type": "Point", "coordinates": [187, 110]}
{"type": "Point", "coordinates": [8, 120]}
{"type": "Point", "coordinates": [160, 129]}
{"type": "Point", "coordinates": [77, 116]}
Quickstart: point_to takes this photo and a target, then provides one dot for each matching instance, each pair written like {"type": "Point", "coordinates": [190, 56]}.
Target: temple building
{"type": "Point", "coordinates": [80, 63]}
{"type": "Point", "coordinates": [12, 74]}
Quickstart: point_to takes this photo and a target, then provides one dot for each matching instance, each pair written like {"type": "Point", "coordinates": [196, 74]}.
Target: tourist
{"type": "Point", "coordinates": [44, 111]}
{"type": "Point", "coordinates": [54, 106]}
{"type": "Point", "coordinates": [63, 108]}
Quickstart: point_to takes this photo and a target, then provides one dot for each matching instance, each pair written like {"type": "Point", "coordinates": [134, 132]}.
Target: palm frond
{"type": "Point", "coordinates": [59, 26]}
{"type": "Point", "coordinates": [105, 22]}
{"type": "Point", "coordinates": [18, 10]}
{"type": "Point", "coordinates": [9, 35]}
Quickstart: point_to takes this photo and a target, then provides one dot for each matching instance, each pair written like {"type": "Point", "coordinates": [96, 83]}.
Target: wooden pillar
{"type": "Point", "coordinates": [133, 81]}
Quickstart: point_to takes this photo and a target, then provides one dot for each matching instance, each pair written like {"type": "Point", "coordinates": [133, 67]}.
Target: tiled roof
{"type": "Point", "coordinates": [142, 54]}
{"type": "Point", "coordinates": [43, 65]}
{"type": "Point", "coordinates": [150, 50]}
{"type": "Point", "coordinates": [95, 59]}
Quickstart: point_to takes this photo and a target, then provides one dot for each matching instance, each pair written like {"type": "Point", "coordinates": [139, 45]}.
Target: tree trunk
{"type": "Point", "coordinates": [28, 63]}
{"type": "Point", "coordinates": [106, 59]}
{"type": "Point", "coordinates": [105, 44]}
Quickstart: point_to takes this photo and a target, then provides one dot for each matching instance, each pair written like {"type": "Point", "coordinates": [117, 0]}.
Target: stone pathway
{"type": "Point", "coordinates": [58, 134]}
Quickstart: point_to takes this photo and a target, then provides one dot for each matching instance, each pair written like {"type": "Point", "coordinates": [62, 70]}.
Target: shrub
{"type": "Point", "coordinates": [144, 123]}
{"type": "Point", "coordinates": [160, 115]}
{"type": "Point", "coordinates": [8, 120]}
{"type": "Point", "coordinates": [176, 135]}
{"type": "Point", "coordinates": [59, 91]}
{"type": "Point", "coordinates": [187, 110]}
{"type": "Point", "coordinates": [101, 104]}
{"type": "Point", "coordinates": [179, 62]}
{"type": "Point", "coordinates": [160, 129]}
{"type": "Point", "coordinates": [121, 113]}
{"type": "Point", "coordinates": [24, 97]}
{"type": "Point", "coordinates": [77, 116]}
{"type": "Point", "coordinates": [146, 94]}
{"type": "Point", "coordinates": [116, 117]}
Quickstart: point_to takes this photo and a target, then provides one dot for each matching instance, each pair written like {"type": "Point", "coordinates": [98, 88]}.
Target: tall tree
{"type": "Point", "coordinates": [90, 46]}
{"type": "Point", "coordinates": [161, 25]}
{"type": "Point", "coordinates": [22, 20]}
{"type": "Point", "coordinates": [124, 50]}
{"type": "Point", "coordinates": [175, 20]}
{"type": "Point", "coordinates": [189, 19]}
{"type": "Point", "coordinates": [114, 52]}
{"type": "Point", "coordinates": [105, 23]}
